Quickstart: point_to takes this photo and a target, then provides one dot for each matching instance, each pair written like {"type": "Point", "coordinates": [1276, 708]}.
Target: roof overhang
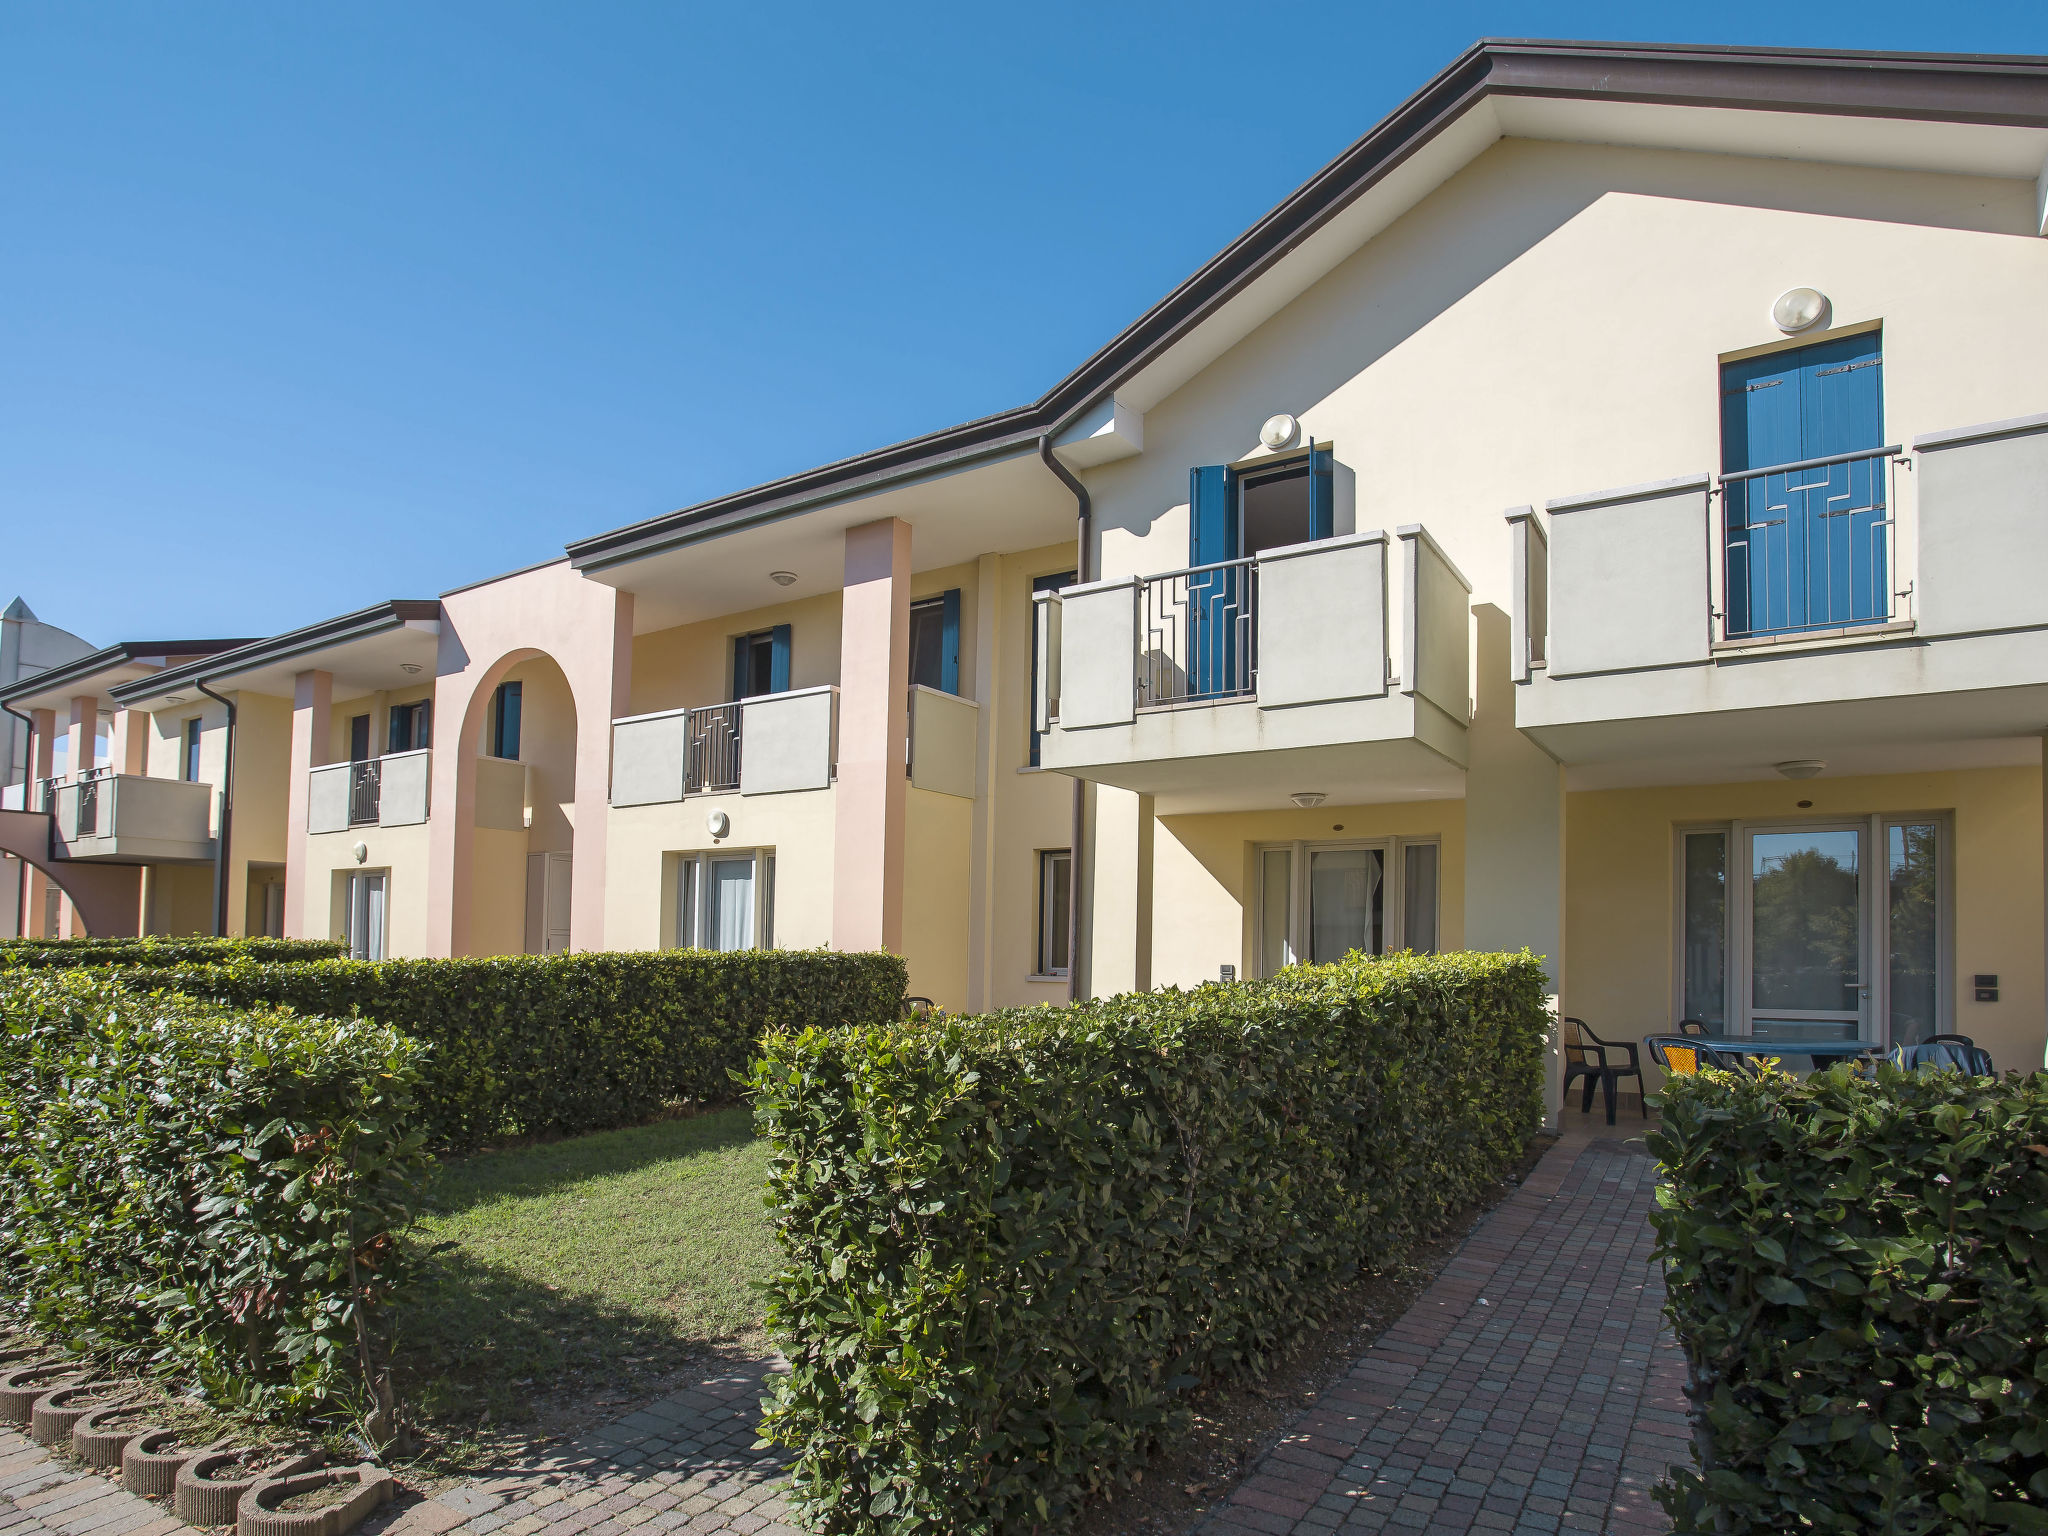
{"type": "Point", "coordinates": [97, 676]}
{"type": "Point", "coordinates": [366, 652]}
{"type": "Point", "coordinates": [1969, 113]}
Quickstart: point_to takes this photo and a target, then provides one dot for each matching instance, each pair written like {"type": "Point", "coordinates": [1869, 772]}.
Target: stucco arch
{"type": "Point", "coordinates": [106, 897]}
{"type": "Point", "coordinates": [585, 630]}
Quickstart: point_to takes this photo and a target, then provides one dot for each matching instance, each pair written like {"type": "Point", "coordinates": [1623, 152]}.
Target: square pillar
{"type": "Point", "coordinates": [1119, 908]}
{"type": "Point", "coordinates": [312, 736]}
{"type": "Point", "coordinates": [41, 762]}
{"type": "Point", "coordinates": [130, 746]}
{"type": "Point", "coordinates": [872, 800]}
{"type": "Point", "coordinates": [1514, 831]}
{"type": "Point", "coordinates": [85, 719]}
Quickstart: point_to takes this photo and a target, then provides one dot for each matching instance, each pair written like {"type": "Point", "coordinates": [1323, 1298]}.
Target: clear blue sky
{"type": "Point", "coordinates": [302, 306]}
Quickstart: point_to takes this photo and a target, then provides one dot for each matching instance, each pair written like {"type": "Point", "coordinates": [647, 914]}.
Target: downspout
{"type": "Point", "coordinates": [227, 817]}
{"type": "Point", "coordinates": [1084, 537]}
{"type": "Point", "coordinates": [28, 774]}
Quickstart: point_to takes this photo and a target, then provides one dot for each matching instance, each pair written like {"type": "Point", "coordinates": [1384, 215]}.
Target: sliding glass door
{"type": "Point", "coordinates": [1808, 939]}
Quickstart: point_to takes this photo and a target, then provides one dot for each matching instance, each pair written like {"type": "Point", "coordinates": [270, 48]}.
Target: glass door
{"type": "Point", "coordinates": [1808, 938]}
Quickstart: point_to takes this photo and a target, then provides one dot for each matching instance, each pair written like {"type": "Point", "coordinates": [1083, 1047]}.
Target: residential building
{"type": "Point", "coordinates": [1597, 513]}
{"type": "Point", "coordinates": [27, 646]}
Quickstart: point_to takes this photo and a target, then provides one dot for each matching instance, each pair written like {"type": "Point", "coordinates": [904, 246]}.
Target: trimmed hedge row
{"type": "Point", "coordinates": [1858, 1273]}
{"type": "Point", "coordinates": [563, 1044]}
{"type": "Point", "coordinates": [28, 954]}
{"type": "Point", "coordinates": [1013, 1242]}
{"type": "Point", "coordinates": [214, 1189]}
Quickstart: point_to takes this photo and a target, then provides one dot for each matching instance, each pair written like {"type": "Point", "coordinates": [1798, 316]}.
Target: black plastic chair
{"type": "Point", "coordinates": [1693, 1027]}
{"type": "Point", "coordinates": [1683, 1055]}
{"type": "Point", "coordinates": [916, 1007]}
{"type": "Point", "coordinates": [1585, 1056]}
{"type": "Point", "coordinates": [1959, 1052]}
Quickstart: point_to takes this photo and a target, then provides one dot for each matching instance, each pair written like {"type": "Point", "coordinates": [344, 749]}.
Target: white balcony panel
{"type": "Point", "coordinates": [944, 732]}
{"type": "Point", "coordinates": [1099, 648]}
{"type": "Point", "coordinates": [406, 781]}
{"type": "Point", "coordinates": [1436, 649]}
{"type": "Point", "coordinates": [788, 741]}
{"type": "Point", "coordinates": [1322, 621]}
{"type": "Point", "coordinates": [502, 793]}
{"type": "Point", "coordinates": [327, 797]}
{"type": "Point", "coordinates": [1629, 572]}
{"type": "Point", "coordinates": [1983, 494]}
{"type": "Point", "coordinates": [136, 819]}
{"type": "Point", "coordinates": [647, 757]}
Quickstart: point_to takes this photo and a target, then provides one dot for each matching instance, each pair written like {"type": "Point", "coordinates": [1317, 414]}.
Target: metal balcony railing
{"type": "Point", "coordinates": [88, 823]}
{"type": "Point", "coordinates": [46, 794]}
{"type": "Point", "coordinates": [365, 792]}
{"type": "Point", "coordinates": [1808, 546]}
{"type": "Point", "coordinates": [1198, 634]}
{"type": "Point", "coordinates": [712, 749]}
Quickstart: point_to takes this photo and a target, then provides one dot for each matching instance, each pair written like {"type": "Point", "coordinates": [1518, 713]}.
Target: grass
{"type": "Point", "coordinates": [562, 1270]}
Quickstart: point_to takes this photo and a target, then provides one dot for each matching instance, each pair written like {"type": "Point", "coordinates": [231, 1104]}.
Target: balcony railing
{"type": "Point", "coordinates": [711, 740]}
{"type": "Point", "coordinates": [365, 788]}
{"type": "Point", "coordinates": [88, 818]}
{"type": "Point", "coordinates": [1808, 546]}
{"type": "Point", "coordinates": [1198, 634]}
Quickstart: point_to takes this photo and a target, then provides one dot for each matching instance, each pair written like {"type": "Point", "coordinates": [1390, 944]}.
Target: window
{"type": "Point", "coordinates": [1055, 899]}
{"type": "Point", "coordinates": [1041, 584]}
{"type": "Point", "coordinates": [760, 662]}
{"type": "Point", "coordinates": [1318, 902]}
{"type": "Point", "coordinates": [725, 901]}
{"type": "Point", "coordinates": [1833, 929]}
{"type": "Point", "coordinates": [411, 726]}
{"type": "Point", "coordinates": [501, 737]}
{"type": "Point", "coordinates": [935, 642]}
{"type": "Point", "coordinates": [1235, 511]}
{"type": "Point", "coordinates": [364, 918]}
{"type": "Point", "coordinates": [189, 769]}
{"type": "Point", "coordinates": [359, 739]}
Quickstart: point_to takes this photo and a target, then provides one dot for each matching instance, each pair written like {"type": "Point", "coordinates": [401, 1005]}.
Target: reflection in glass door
{"type": "Point", "coordinates": [1343, 902]}
{"type": "Point", "coordinates": [1807, 943]}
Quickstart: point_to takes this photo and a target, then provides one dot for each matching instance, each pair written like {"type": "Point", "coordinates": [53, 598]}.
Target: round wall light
{"type": "Point", "coordinates": [1800, 768]}
{"type": "Point", "coordinates": [1279, 430]}
{"type": "Point", "coordinates": [782, 578]}
{"type": "Point", "coordinates": [361, 851]}
{"type": "Point", "coordinates": [719, 823]}
{"type": "Point", "coordinates": [1308, 799]}
{"type": "Point", "coordinates": [1799, 309]}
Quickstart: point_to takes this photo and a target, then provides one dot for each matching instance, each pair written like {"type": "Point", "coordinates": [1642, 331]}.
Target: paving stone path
{"type": "Point", "coordinates": [1531, 1388]}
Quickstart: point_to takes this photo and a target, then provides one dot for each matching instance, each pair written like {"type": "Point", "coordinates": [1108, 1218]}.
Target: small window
{"type": "Point", "coordinates": [1235, 512]}
{"type": "Point", "coordinates": [935, 642]}
{"type": "Point", "coordinates": [192, 739]}
{"type": "Point", "coordinates": [364, 919]}
{"type": "Point", "coordinates": [1318, 902]}
{"type": "Point", "coordinates": [503, 738]}
{"type": "Point", "coordinates": [1041, 584]}
{"type": "Point", "coordinates": [411, 726]}
{"type": "Point", "coordinates": [726, 901]}
{"type": "Point", "coordinates": [760, 662]}
{"type": "Point", "coordinates": [359, 739]}
{"type": "Point", "coordinates": [1055, 898]}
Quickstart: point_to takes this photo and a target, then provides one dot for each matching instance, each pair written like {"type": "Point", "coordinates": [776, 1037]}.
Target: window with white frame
{"type": "Point", "coordinates": [1318, 901]}
{"type": "Point", "coordinates": [1821, 928]}
{"type": "Point", "coordinates": [725, 900]}
{"type": "Point", "coordinates": [1055, 897]}
{"type": "Point", "coordinates": [365, 918]}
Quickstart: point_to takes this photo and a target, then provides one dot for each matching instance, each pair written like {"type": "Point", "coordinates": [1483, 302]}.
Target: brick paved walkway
{"type": "Point", "coordinates": [1531, 1388]}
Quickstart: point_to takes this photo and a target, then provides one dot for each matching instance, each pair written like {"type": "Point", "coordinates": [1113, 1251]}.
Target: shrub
{"type": "Point", "coordinates": [1013, 1242]}
{"type": "Point", "coordinates": [41, 954]}
{"type": "Point", "coordinates": [1859, 1277]}
{"type": "Point", "coordinates": [562, 1044]}
{"type": "Point", "coordinates": [201, 1187]}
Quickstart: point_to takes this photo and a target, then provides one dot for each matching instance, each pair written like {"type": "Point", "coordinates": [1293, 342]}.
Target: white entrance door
{"type": "Point", "coordinates": [547, 902]}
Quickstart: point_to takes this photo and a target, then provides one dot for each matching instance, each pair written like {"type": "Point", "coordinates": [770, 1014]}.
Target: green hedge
{"type": "Point", "coordinates": [1013, 1242]}
{"type": "Point", "coordinates": [213, 1190]}
{"type": "Point", "coordinates": [34, 954]}
{"type": "Point", "coordinates": [1858, 1273]}
{"type": "Point", "coordinates": [563, 1044]}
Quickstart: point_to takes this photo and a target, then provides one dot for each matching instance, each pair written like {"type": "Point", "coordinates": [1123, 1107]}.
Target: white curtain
{"type": "Point", "coordinates": [730, 922]}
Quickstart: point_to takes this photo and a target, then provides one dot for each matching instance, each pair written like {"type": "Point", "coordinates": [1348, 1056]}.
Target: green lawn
{"type": "Point", "coordinates": [563, 1269]}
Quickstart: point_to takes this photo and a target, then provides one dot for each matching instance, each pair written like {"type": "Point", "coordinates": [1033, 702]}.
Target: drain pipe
{"type": "Point", "coordinates": [28, 774]}
{"type": "Point", "coordinates": [227, 817]}
{"type": "Point", "coordinates": [1084, 539]}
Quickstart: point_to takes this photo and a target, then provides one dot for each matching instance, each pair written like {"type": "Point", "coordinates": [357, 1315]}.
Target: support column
{"type": "Point", "coordinates": [129, 750]}
{"type": "Point", "coordinates": [312, 738]}
{"type": "Point", "coordinates": [872, 800]}
{"type": "Point", "coordinates": [981, 893]}
{"type": "Point", "coordinates": [40, 766]}
{"type": "Point", "coordinates": [597, 706]}
{"type": "Point", "coordinates": [1119, 912]}
{"type": "Point", "coordinates": [85, 719]}
{"type": "Point", "coordinates": [1514, 830]}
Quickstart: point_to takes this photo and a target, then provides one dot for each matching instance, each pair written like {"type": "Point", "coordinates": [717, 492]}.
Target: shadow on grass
{"type": "Point", "coordinates": [545, 1167]}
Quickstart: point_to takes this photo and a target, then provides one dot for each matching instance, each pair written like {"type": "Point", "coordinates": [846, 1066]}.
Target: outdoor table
{"type": "Point", "coordinates": [1815, 1050]}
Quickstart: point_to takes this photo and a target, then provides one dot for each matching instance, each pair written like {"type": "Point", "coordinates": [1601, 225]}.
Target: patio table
{"type": "Point", "coordinates": [1816, 1051]}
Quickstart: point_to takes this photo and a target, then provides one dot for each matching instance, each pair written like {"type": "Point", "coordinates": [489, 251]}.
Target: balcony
{"type": "Point", "coordinates": [1864, 597]}
{"type": "Point", "coordinates": [1337, 667]}
{"type": "Point", "coordinates": [128, 818]}
{"type": "Point", "coordinates": [388, 791]}
{"type": "Point", "coordinates": [773, 744]}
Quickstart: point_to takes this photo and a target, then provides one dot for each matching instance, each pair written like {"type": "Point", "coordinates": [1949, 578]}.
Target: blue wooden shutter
{"type": "Point", "coordinates": [778, 659]}
{"type": "Point", "coordinates": [424, 725]}
{"type": "Point", "coordinates": [1212, 514]}
{"type": "Point", "coordinates": [739, 666]}
{"type": "Point", "coordinates": [949, 643]}
{"type": "Point", "coordinates": [1322, 502]}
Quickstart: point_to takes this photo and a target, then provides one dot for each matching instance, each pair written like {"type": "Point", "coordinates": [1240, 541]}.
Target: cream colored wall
{"type": "Point", "coordinates": [1620, 892]}
{"type": "Point", "coordinates": [164, 754]}
{"type": "Point", "coordinates": [378, 707]}
{"type": "Point", "coordinates": [177, 899]}
{"type": "Point", "coordinates": [498, 897]}
{"type": "Point", "coordinates": [547, 739]}
{"type": "Point", "coordinates": [400, 850]}
{"type": "Point", "coordinates": [263, 747]}
{"type": "Point", "coordinates": [938, 842]}
{"type": "Point", "coordinates": [639, 893]}
{"type": "Point", "coordinates": [691, 665]}
{"type": "Point", "coordinates": [1550, 322]}
{"type": "Point", "coordinates": [1204, 881]}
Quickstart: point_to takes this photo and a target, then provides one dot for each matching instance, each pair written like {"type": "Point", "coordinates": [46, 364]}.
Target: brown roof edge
{"type": "Point", "coordinates": [1996, 89]}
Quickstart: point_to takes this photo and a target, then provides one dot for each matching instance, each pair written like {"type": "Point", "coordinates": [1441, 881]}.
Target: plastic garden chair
{"type": "Point", "coordinates": [1585, 1056]}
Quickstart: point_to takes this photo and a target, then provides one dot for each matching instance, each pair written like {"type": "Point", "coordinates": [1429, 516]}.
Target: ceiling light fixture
{"type": "Point", "coordinates": [176, 698]}
{"type": "Point", "coordinates": [409, 668]}
{"type": "Point", "coordinates": [1800, 768]}
{"type": "Point", "coordinates": [782, 578]}
{"type": "Point", "coordinates": [1308, 799]}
